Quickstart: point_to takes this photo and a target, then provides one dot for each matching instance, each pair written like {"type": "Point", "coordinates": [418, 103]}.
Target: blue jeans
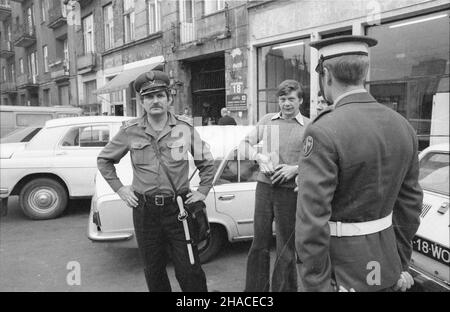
{"type": "Point", "coordinates": [157, 228]}
{"type": "Point", "coordinates": [279, 203]}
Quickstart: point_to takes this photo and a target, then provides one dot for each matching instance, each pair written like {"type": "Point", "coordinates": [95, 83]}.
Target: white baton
{"type": "Point", "coordinates": [183, 217]}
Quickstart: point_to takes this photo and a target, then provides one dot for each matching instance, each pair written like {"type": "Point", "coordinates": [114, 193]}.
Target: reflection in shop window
{"type": "Point", "coordinates": [409, 73]}
{"type": "Point", "coordinates": [276, 63]}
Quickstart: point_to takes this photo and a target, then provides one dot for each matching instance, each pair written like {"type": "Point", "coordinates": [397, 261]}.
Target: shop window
{"type": "Point", "coordinates": [276, 63]}
{"type": "Point", "coordinates": [409, 72]}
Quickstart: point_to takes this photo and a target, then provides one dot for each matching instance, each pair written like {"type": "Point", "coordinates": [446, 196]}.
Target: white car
{"type": "Point", "coordinates": [431, 254]}
{"type": "Point", "coordinates": [58, 163]}
{"type": "Point", "coordinates": [230, 202]}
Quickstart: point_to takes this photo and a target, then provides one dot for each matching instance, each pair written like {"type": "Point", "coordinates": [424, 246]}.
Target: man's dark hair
{"type": "Point", "coordinates": [288, 86]}
{"type": "Point", "coordinates": [349, 69]}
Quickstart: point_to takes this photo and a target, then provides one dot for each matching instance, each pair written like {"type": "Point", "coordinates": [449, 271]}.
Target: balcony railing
{"type": "Point", "coordinates": [6, 49]}
{"type": "Point", "coordinates": [86, 62]}
{"type": "Point", "coordinates": [5, 9]}
{"type": "Point", "coordinates": [24, 35]}
{"type": "Point", "coordinates": [8, 87]}
{"type": "Point", "coordinates": [60, 70]}
{"type": "Point", "coordinates": [27, 81]}
{"type": "Point", "coordinates": [57, 15]}
{"type": "Point", "coordinates": [187, 32]}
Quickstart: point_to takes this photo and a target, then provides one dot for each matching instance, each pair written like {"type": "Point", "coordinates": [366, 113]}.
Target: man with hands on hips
{"type": "Point", "coordinates": [275, 199]}
{"type": "Point", "coordinates": [154, 140]}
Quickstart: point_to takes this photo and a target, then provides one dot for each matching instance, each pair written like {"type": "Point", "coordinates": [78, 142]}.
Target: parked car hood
{"type": "Point", "coordinates": [8, 149]}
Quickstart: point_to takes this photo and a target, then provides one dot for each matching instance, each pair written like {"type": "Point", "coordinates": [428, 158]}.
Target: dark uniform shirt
{"type": "Point", "coordinates": [359, 163]}
{"type": "Point", "coordinates": [174, 142]}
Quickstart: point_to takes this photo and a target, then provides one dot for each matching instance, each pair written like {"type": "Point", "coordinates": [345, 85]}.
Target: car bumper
{"type": "Point", "coordinates": [96, 235]}
{"type": "Point", "coordinates": [425, 282]}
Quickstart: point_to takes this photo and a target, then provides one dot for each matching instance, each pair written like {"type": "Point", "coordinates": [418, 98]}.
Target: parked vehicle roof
{"type": "Point", "coordinates": [444, 147]}
{"type": "Point", "coordinates": [58, 122]}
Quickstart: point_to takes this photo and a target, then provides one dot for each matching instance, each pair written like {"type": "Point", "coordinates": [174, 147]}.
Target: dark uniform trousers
{"type": "Point", "coordinates": [155, 227]}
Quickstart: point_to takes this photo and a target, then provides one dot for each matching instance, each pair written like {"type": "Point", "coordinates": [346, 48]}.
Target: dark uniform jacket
{"type": "Point", "coordinates": [173, 142]}
{"type": "Point", "coordinates": [359, 163]}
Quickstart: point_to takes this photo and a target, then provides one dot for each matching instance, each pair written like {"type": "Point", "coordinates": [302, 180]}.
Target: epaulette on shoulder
{"type": "Point", "coordinates": [185, 119]}
{"type": "Point", "coordinates": [326, 111]}
{"type": "Point", "coordinates": [129, 123]}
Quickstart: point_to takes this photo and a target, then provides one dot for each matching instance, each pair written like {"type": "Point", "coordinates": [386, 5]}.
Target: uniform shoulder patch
{"type": "Point", "coordinates": [185, 119]}
{"type": "Point", "coordinates": [308, 144]}
{"type": "Point", "coordinates": [129, 123]}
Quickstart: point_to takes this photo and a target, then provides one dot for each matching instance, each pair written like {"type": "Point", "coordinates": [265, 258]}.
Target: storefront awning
{"type": "Point", "coordinates": [123, 79]}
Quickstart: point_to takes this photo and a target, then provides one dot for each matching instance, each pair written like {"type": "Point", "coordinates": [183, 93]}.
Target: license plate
{"type": "Point", "coordinates": [432, 250]}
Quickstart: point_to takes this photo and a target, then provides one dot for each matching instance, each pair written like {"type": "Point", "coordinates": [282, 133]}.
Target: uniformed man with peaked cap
{"type": "Point", "coordinates": [359, 199]}
{"type": "Point", "coordinates": [155, 140]}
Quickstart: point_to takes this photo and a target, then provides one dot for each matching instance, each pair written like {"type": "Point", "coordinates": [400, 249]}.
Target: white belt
{"type": "Point", "coordinates": [360, 228]}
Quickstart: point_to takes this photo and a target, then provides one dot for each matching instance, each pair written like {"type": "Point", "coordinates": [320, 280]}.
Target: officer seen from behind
{"type": "Point", "coordinates": [158, 139]}
{"type": "Point", "coordinates": [359, 199]}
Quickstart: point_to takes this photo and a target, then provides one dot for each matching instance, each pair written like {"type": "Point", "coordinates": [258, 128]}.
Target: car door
{"type": "Point", "coordinates": [234, 192]}
{"type": "Point", "coordinates": [75, 157]}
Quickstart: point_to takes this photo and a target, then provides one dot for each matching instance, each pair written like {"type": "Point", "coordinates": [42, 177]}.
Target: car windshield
{"type": "Point", "coordinates": [434, 172]}
{"type": "Point", "coordinates": [20, 135]}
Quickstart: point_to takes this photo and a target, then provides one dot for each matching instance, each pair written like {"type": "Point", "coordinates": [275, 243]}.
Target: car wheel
{"type": "Point", "coordinates": [209, 249]}
{"type": "Point", "coordinates": [43, 198]}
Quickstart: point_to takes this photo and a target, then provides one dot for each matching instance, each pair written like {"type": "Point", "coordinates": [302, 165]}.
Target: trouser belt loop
{"type": "Point", "coordinates": [338, 229]}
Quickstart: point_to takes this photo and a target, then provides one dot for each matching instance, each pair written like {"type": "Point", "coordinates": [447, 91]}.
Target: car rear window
{"type": "Point", "coordinates": [434, 172]}
{"type": "Point", "coordinates": [21, 135]}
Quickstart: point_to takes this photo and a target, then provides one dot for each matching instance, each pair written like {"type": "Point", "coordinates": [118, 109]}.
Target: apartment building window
{"type": "Point", "coordinates": [12, 72]}
{"type": "Point", "coordinates": [212, 6]}
{"type": "Point", "coordinates": [45, 54]}
{"type": "Point", "coordinates": [66, 55]}
{"type": "Point", "coordinates": [108, 21]}
{"type": "Point", "coordinates": [187, 27]}
{"type": "Point", "coordinates": [276, 63]}
{"type": "Point", "coordinates": [154, 16]}
{"type": "Point", "coordinates": [3, 73]}
{"type": "Point", "coordinates": [88, 34]}
{"type": "Point", "coordinates": [8, 37]}
{"type": "Point", "coordinates": [21, 67]}
{"type": "Point", "coordinates": [409, 72]}
{"type": "Point", "coordinates": [63, 95]}
{"type": "Point", "coordinates": [128, 19]}
{"type": "Point", "coordinates": [32, 66]}
{"type": "Point", "coordinates": [44, 9]}
{"type": "Point", "coordinates": [30, 20]}
{"type": "Point", "coordinates": [89, 89]}
{"type": "Point", "coordinates": [47, 101]}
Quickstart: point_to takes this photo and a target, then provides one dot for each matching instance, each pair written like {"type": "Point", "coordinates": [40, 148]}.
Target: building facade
{"type": "Point", "coordinates": [221, 54]}
{"type": "Point", "coordinates": [409, 67]}
{"type": "Point", "coordinates": [35, 54]}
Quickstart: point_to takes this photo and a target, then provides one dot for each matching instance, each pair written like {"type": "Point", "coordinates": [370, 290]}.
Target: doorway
{"type": "Point", "coordinates": [208, 89]}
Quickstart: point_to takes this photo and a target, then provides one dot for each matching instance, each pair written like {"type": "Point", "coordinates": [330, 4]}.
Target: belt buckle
{"type": "Point", "coordinates": [339, 229]}
{"type": "Point", "coordinates": [159, 200]}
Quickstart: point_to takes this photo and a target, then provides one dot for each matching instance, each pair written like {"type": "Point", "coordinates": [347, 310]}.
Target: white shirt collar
{"type": "Point", "coordinates": [299, 117]}
{"type": "Point", "coordinates": [340, 97]}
